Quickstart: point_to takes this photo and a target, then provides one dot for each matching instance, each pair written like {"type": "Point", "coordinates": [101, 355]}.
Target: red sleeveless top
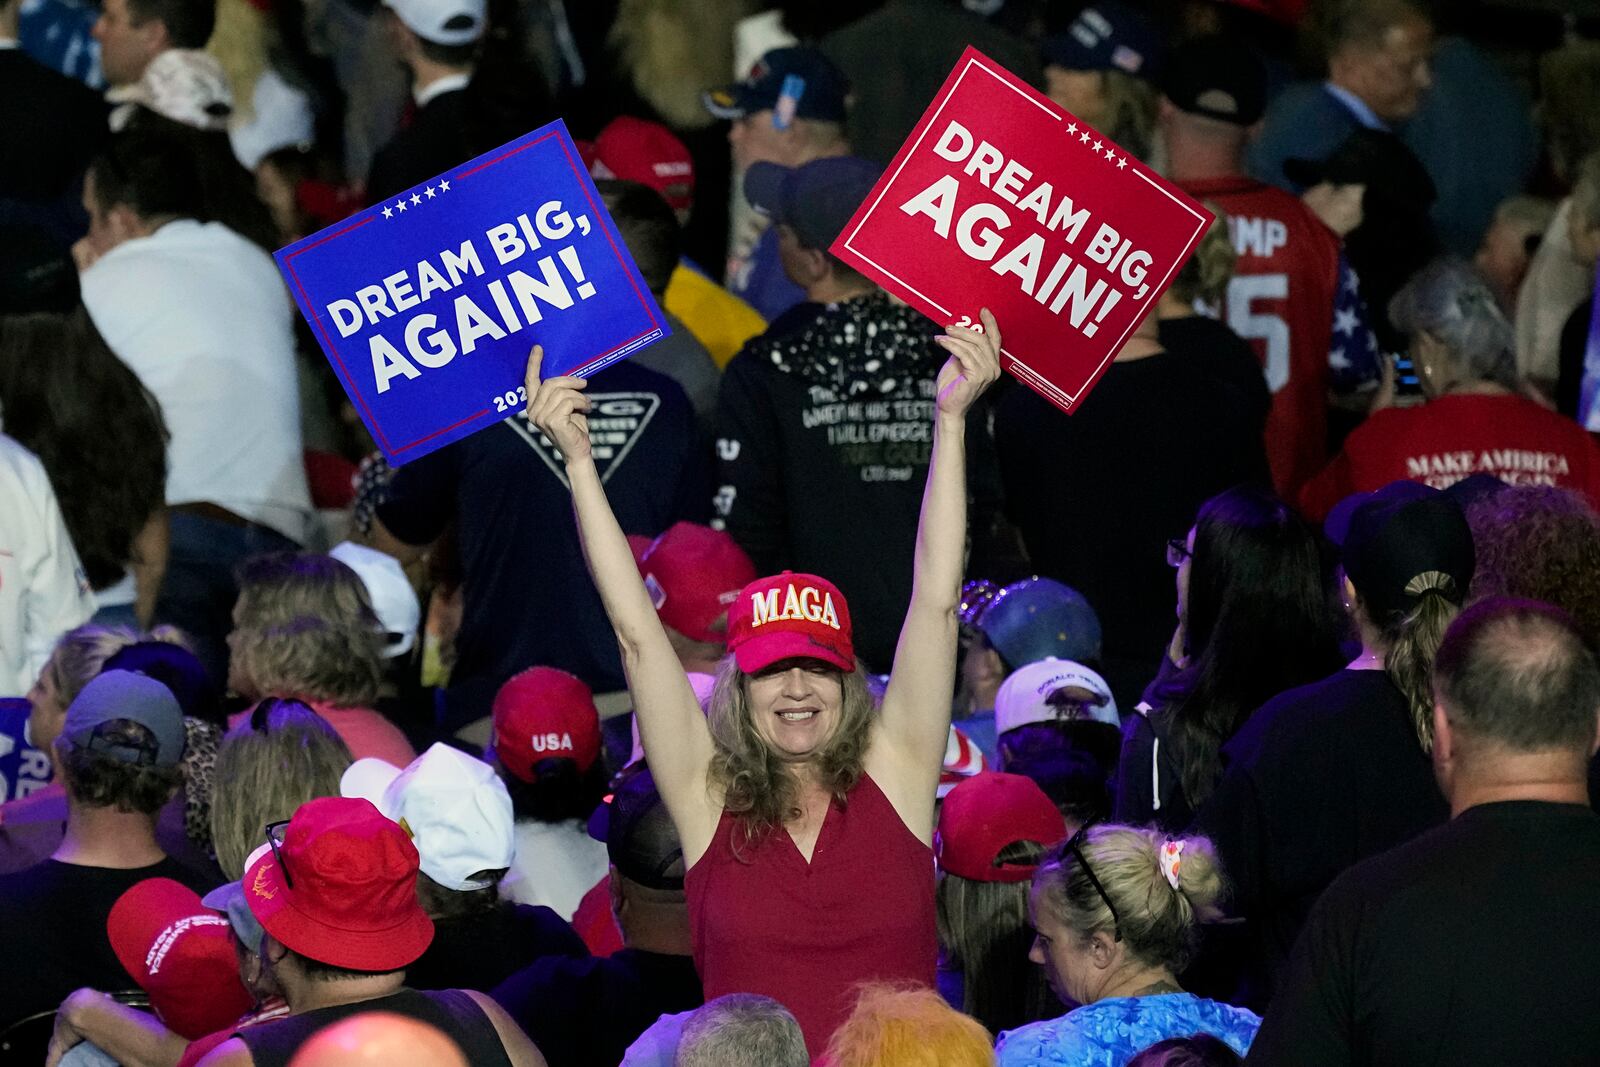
{"type": "Point", "coordinates": [764, 921]}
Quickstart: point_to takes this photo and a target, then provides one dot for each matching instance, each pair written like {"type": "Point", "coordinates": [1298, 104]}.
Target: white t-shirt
{"type": "Point", "coordinates": [556, 864]}
{"type": "Point", "coordinates": [43, 590]}
{"type": "Point", "coordinates": [202, 317]}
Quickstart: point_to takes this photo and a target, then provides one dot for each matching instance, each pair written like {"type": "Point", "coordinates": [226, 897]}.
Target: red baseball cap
{"type": "Point", "coordinates": [181, 953]}
{"type": "Point", "coordinates": [790, 616]}
{"type": "Point", "coordinates": [353, 902]}
{"type": "Point", "coordinates": [986, 813]}
{"type": "Point", "coordinates": [637, 150]}
{"type": "Point", "coordinates": [692, 574]}
{"type": "Point", "coordinates": [543, 714]}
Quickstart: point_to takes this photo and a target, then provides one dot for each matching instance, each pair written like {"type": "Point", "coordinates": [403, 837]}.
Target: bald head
{"type": "Point", "coordinates": [1516, 674]}
{"type": "Point", "coordinates": [376, 1039]}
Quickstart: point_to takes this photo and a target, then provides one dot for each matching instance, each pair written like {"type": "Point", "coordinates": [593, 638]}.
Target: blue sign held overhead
{"type": "Point", "coordinates": [428, 303]}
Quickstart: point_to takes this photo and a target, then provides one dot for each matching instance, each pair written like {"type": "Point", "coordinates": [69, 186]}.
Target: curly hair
{"type": "Point", "coordinates": [1205, 276]}
{"type": "Point", "coordinates": [911, 1027]}
{"type": "Point", "coordinates": [1159, 924]}
{"type": "Point", "coordinates": [757, 786]}
{"type": "Point", "coordinates": [1542, 543]}
{"type": "Point", "coordinates": [100, 781]}
{"type": "Point", "coordinates": [94, 426]}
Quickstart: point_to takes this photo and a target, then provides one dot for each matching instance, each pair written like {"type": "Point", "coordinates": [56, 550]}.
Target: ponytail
{"type": "Point", "coordinates": [1413, 642]}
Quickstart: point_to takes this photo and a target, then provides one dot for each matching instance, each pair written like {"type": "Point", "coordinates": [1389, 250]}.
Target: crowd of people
{"type": "Point", "coordinates": [804, 690]}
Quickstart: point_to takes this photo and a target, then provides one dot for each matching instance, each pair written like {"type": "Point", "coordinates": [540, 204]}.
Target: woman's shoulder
{"type": "Point", "coordinates": [1067, 1039]}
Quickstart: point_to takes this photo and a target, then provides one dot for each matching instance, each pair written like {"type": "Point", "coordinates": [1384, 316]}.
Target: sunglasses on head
{"type": "Point", "coordinates": [1074, 845]}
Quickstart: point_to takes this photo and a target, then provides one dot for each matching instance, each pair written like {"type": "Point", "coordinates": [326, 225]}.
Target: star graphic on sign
{"type": "Point", "coordinates": [1122, 164]}
{"type": "Point", "coordinates": [415, 199]}
{"type": "Point", "coordinates": [1344, 321]}
{"type": "Point", "coordinates": [388, 212]}
{"type": "Point", "coordinates": [1072, 127]}
{"type": "Point", "coordinates": [1111, 153]}
{"type": "Point", "coordinates": [429, 191]}
{"type": "Point", "coordinates": [1098, 145]}
{"type": "Point", "coordinates": [400, 205]}
{"type": "Point", "coordinates": [1084, 137]}
{"type": "Point", "coordinates": [444, 187]}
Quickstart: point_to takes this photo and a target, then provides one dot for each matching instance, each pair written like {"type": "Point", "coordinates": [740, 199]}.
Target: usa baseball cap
{"type": "Point", "coordinates": [692, 574]}
{"type": "Point", "coordinates": [446, 22]}
{"type": "Point", "coordinates": [817, 199]}
{"type": "Point", "coordinates": [983, 815]}
{"type": "Point", "coordinates": [544, 713]}
{"type": "Point", "coordinates": [790, 616]}
{"type": "Point", "coordinates": [115, 695]}
{"type": "Point", "coordinates": [804, 76]}
{"type": "Point", "coordinates": [1033, 693]}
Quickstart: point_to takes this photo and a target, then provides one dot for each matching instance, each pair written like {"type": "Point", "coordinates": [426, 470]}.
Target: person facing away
{"type": "Point", "coordinates": [803, 813]}
{"type": "Point", "coordinates": [1478, 942]}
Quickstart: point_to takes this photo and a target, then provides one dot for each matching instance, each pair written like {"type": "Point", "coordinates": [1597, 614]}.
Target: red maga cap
{"type": "Point", "coordinates": [693, 573]}
{"type": "Point", "coordinates": [986, 813]}
{"type": "Point", "coordinates": [790, 616]}
{"type": "Point", "coordinates": [181, 953]}
{"type": "Point", "coordinates": [354, 899]}
{"type": "Point", "coordinates": [637, 150]}
{"type": "Point", "coordinates": [543, 714]}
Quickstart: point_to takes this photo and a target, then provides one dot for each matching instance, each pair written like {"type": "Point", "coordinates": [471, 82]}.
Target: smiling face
{"type": "Point", "coordinates": [795, 706]}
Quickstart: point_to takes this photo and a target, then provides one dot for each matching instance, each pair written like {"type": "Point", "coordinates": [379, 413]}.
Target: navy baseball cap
{"type": "Point", "coordinates": [1039, 618]}
{"type": "Point", "coordinates": [818, 88]}
{"type": "Point", "coordinates": [1107, 35]}
{"type": "Point", "coordinates": [815, 200]}
{"type": "Point", "coordinates": [117, 695]}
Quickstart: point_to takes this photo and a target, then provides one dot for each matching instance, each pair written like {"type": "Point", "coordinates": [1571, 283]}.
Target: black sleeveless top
{"type": "Point", "coordinates": [452, 1011]}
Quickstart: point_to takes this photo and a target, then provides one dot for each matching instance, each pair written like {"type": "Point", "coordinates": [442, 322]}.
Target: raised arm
{"type": "Point", "coordinates": [677, 743]}
{"type": "Point", "coordinates": [915, 722]}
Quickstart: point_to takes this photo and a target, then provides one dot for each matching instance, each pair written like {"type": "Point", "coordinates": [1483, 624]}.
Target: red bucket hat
{"type": "Point", "coordinates": [693, 573]}
{"type": "Point", "coordinates": [541, 714]}
{"type": "Point", "coordinates": [790, 616]}
{"type": "Point", "coordinates": [181, 953]}
{"type": "Point", "coordinates": [353, 898]}
{"type": "Point", "coordinates": [986, 813]}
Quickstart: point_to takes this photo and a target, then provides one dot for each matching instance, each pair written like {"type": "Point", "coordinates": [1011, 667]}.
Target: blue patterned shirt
{"type": "Point", "coordinates": [1110, 1032]}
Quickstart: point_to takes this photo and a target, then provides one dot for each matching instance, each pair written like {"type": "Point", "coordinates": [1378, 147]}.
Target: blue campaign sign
{"type": "Point", "coordinates": [427, 304]}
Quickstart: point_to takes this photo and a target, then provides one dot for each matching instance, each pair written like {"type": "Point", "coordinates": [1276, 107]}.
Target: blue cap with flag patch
{"type": "Point", "coordinates": [801, 82]}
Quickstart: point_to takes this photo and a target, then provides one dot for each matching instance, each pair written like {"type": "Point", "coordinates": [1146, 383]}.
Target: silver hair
{"type": "Point", "coordinates": [741, 1030]}
{"type": "Point", "coordinates": [1449, 300]}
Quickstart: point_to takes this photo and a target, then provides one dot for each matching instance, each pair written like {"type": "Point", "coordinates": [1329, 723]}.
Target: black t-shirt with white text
{"type": "Point", "coordinates": [1476, 944]}
{"type": "Point", "coordinates": [528, 599]}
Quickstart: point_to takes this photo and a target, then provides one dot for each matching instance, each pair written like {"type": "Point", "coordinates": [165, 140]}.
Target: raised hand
{"type": "Point", "coordinates": [973, 366]}
{"type": "Point", "coordinates": [557, 407]}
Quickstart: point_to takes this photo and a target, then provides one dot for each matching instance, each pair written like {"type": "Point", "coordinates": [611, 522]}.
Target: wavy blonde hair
{"type": "Point", "coordinates": [759, 787]}
{"type": "Point", "coordinates": [307, 630]}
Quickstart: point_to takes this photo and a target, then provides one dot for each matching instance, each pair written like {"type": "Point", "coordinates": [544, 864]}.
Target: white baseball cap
{"type": "Point", "coordinates": [442, 21]}
{"type": "Point", "coordinates": [455, 808]}
{"type": "Point", "coordinates": [393, 599]}
{"type": "Point", "coordinates": [1024, 696]}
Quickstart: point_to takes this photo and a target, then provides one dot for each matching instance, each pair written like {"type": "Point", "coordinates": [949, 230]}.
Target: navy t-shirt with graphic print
{"type": "Point", "coordinates": [527, 596]}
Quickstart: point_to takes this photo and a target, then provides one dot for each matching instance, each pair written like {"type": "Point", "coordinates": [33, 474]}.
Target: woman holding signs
{"type": "Point", "coordinates": [806, 814]}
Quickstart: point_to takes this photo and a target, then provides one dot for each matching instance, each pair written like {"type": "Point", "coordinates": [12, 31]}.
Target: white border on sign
{"type": "Point", "coordinates": [1032, 376]}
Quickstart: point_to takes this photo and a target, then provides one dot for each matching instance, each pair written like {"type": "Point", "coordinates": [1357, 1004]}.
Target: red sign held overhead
{"type": "Point", "coordinates": [1001, 199]}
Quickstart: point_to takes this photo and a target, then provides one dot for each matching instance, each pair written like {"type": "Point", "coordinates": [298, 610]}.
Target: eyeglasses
{"type": "Point", "coordinates": [1074, 845]}
{"type": "Point", "coordinates": [1178, 551]}
{"type": "Point", "coordinates": [275, 832]}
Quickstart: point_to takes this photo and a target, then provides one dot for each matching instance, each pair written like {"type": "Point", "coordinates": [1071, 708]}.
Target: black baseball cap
{"type": "Point", "coordinates": [817, 199]}
{"type": "Point", "coordinates": [1374, 158]}
{"type": "Point", "coordinates": [819, 88]}
{"type": "Point", "coordinates": [1397, 549]}
{"type": "Point", "coordinates": [1218, 78]}
{"type": "Point", "coordinates": [640, 838]}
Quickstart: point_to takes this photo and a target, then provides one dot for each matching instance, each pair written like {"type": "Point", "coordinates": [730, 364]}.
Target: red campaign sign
{"type": "Point", "coordinates": [1000, 199]}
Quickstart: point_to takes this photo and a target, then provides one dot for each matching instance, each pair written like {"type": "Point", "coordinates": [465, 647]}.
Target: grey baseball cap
{"type": "Point", "coordinates": [125, 695]}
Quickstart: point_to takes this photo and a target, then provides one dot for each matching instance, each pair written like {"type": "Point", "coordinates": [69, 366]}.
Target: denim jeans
{"type": "Point", "coordinates": [200, 586]}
